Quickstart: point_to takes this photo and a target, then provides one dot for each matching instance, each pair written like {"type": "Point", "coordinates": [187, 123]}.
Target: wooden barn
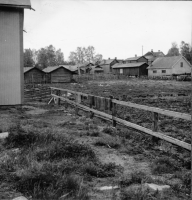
{"type": "Point", "coordinates": [168, 66]}
{"type": "Point", "coordinates": [131, 69]}
{"type": "Point", "coordinates": [33, 75]}
{"type": "Point", "coordinates": [58, 74]}
{"type": "Point", "coordinates": [11, 51]}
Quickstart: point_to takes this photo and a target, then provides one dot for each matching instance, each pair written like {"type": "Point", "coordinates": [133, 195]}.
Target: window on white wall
{"type": "Point", "coordinates": [163, 71]}
{"type": "Point", "coordinates": [121, 71]}
{"type": "Point", "coordinates": [181, 64]}
{"type": "Point", "coordinates": [154, 71]}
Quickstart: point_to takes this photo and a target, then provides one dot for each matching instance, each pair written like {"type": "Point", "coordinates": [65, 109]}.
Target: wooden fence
{"type": "Point", "coordinates": [102, 76]}
{"type": "Point", "coordinates": [110, 104]}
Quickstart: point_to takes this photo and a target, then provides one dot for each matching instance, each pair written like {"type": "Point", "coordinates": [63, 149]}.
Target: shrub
{"type": "Point", "coordinates": [110, 130]}
{"type": "Point", "coordinates": [136, 177]}
{"type": "Point", "coordinates": [164, 165]}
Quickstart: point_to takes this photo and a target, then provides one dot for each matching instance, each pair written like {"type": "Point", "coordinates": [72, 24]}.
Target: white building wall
{"type": "Point", "coordinates": [159, 72]}
{"type": "Point", "coordinates": [177, 69]}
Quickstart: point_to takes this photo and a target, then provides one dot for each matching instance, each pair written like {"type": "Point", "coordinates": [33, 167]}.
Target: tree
{"type": "Point", "coordinates": [28, 58]}
{"type": "Point", "coordinates": [49, 56]}
{"type": "Point", "coordinates": [186, 51]}
{"type": "Point", "coordinates": [83, 55]}
{"type": "Point", "coordinates": [174, 50]}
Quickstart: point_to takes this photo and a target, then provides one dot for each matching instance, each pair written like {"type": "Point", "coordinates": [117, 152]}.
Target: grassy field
{"type": "Point", "coordinates": [52, 153]}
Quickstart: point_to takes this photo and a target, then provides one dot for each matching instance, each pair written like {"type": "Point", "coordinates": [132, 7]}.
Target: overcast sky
{"type": "Point", "coordinates": [114, 28]}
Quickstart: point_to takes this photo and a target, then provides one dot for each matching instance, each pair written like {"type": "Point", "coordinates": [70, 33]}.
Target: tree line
{"type": "Point", "coordinates": [185, 50]}
{"type": "Point", "coordinates": [50, 56]}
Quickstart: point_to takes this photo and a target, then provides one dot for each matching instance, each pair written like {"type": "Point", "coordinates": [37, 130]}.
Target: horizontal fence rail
{"type": "Point", "coordinates": [110, 104]}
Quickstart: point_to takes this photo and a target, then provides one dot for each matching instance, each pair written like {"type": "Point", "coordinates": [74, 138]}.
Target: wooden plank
{"type": "Point", "coordinates": [134, 126]}
{"type": "Point", "coordinates": [91, 99]}
{"type": "Point", "coordinates": [156, 134]}
{"type": "Point", "coordinates": [153, 109]}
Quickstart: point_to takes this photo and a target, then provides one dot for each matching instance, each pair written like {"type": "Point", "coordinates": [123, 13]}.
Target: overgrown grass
{"type": "Point", "coordinates": [110, 142]}
{"type": "Point", "coordinates": [45, 165]}
{"type": "Point", "coordinates": [164, 165]}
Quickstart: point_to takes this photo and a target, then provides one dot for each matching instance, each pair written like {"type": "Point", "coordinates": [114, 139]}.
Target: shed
{"type": "Point", "coordinates": [175, 65]}
{"type": "Point", "coordinates": [11, 51]}
{"type": "Point", "coordinates": [33, 75]}
{"type": "Point", "coordinates": [131, 69]}
{"type": "Point", "coordinates": [58, 74]}
{"type": "Point", "coordinates": [96, 70]}
{"type": "Point", "coordinates": [106, 65]}
{"type": "Point", "coordinates": [136, 59]}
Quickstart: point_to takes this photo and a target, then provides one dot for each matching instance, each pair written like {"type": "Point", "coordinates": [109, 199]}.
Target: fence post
{"type": "Point", "coordinates": [91, 102]}
{"type": "Point", "coordinates": [78, 100]}
{"type": "Point", "coordinates": [58, 93]}
{"type": "Point", "coordinates": [155, 126]}
{"type": "Point", "coordinates": [114, 112]}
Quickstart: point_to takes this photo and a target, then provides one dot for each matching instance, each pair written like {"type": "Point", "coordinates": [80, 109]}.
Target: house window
{"type": "Point", "coordinates": [181, 64]}
{"type": "Point", "coordinates": [121, 71]}
{"type": "Point", "coordinates": [163, 71]}
{"type": "Point", "coordinates": [154, 71]}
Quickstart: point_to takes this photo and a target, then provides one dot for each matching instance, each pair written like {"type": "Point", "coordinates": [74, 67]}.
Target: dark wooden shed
{"type": "Point", "coordinates": [33, 75]}
{"type": "Point", "coordinates": [11, 51]}
{"type": "Point", "coordinates": [131, 69]}
{"type": "Point", "coordinates": [58, 74]}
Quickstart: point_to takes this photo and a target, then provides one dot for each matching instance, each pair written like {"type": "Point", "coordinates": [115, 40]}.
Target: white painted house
{"type": "Point", "coordinates": [175, 65]}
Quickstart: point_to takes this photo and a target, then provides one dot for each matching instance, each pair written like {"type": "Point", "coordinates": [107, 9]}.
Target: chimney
{"type": "Point", "coordinates": [151, 50]}
{"type": "Point", "coordinates": [158, 50]}
{"type": "Point", "coordinates": [115, 58]}
{"type": "Point", "coordinates": [135, 55]}
{"type": "Point", "coordinates": [109, 58]}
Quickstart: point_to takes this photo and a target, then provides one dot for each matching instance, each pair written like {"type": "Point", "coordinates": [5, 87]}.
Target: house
{"type": "Point", "coordinates": [131, 69]}
{"type": "Point", "coordinates": [86, 67]}
{"type": "Point", "coordinates": [11, 51]}
{"type": "Point", "coordinates": [175, 65]}
{"type": "Point", "coordinates": [58, 74]}
{"type": "Point", "coordinates": [33, 75]}
{"type": "Point", "coordinates": [136, 59]}
{"type": "Point", "coordinates": [106, 65]}
{"type": "Point", "coordinates": [96, 69]}
{"type": "Point", "coordinates": [151, 56]}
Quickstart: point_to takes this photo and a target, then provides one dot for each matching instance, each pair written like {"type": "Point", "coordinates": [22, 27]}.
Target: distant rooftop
{"type": "Point", "coordinates": [127, 65]}
{"type": "Point", "coordinates": [16, 3]}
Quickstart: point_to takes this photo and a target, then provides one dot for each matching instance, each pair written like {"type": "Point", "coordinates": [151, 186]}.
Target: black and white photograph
{"type": "Point", "coordinates": [95, 100]}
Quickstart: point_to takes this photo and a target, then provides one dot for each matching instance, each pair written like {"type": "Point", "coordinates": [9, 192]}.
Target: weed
{"type": "Point", "coordinates": [164, 165]}
{"type": "Point", "coordinates": [111, 142]}
{"type": "Point", "coordinates": [93, 133]}
{"type": "Point", "coordinates": [110, 130]}
{"type": "Point", "coordinates": [136, 177]}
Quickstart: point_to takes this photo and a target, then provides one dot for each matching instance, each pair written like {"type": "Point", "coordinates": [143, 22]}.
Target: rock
{"type": "Point", "coordinates": [108, 188]}
{"type": "Point", "coordinates": [20, 198]}
{"type": "Point", "coordinates": [157, 187]}
{"type": "Point", "coordinates": [4, 135]}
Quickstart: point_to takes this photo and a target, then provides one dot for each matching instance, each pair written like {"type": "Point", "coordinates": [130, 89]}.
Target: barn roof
{"type": "Point", "coordinates": [128, 65]}
{"type": "Point", "coordinates": [27, 69]}
{"type": "Point", "coordinates": [16, 3]}
{"type": "Point", "coordinates": [165, 62]}
{"type": "Point", "coordinates": [53, 68]}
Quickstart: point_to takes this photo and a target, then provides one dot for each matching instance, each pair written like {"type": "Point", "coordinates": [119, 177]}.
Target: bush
{"type": "Point", "coordinates": [136, 177]}
{"type": "Point", "coordinates": [164, 165]}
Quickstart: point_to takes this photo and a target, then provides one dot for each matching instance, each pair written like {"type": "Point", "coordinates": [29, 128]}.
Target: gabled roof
{"type": "Point", "coordinates": [155, 54]}
{"type": "Point", "coordinates": [106, 62]}
{"type": "Point", "coordinates": [16, 3]}
{"type": "Point", "coordinates": [27, 69]}
{"type": "Point", "coordinates": [53, 68]}
{"type": "Point", "coordinates": [165, 62]}
{"type": "Point", "coordinates": [128, 65]}
{"type": "Point", "coordinates": [135, 58]}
